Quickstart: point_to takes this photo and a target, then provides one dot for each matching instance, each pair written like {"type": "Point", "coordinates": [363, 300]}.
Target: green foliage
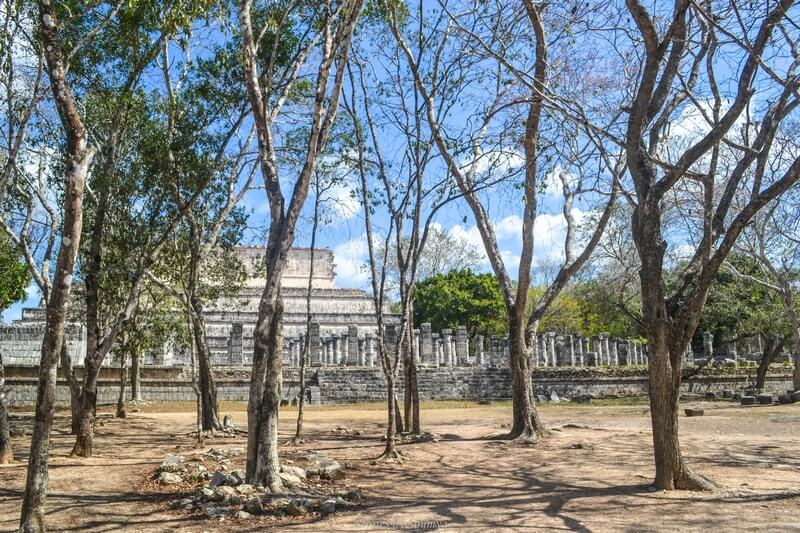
{"type": "Point", "coordinates": [14, 276]}
{"type": "Point", "coordinates": [461, 298]}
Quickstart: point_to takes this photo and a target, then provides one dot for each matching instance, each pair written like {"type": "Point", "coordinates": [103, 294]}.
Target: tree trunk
{"type": "Point", "coordinates": [123, 380]}
{"type": "Point", "coordinates": [665, 385]}
{"type": "Point", "coordinates": [398, 417]}
{"type": "Point", "coordinates": [262, 438]}
{"type": "Point", "coordinates": [6, 453]}
{"type": "Point", "coordinates": [391, 407]}
{"type": "Point", "coordinates": [74, 389]}
{"type": "Point", "coordinates": [416, 425]}
{"type": "Point", "coordinates": [208, 386]}
{"type": "Point", "coordinates": [794, 321]}
{"type": "Point", "coordinates": [771, 348]}
{"type": "Point", "coordinates": [527, 425]}
{"type": "Point", "coordinates": [84, 440]}
{"type": "Point", "coordinates": [301, 400]}
{"type": "Point", "coordinates": [136, 388]}
{"type": "Point", "coordinates": [78, 158]}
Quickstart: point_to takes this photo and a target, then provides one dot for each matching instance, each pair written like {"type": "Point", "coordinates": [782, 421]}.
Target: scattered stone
{"type": "Point", "coordinates": [727, 394]}
{"type": "Point", "coordinates": [227, 422]}
{"type": "Point", "coordinates": [294, 470]}
{"type": "Point", "coordinates": [172, 463]}
{"type": "Point", "coordinates": [328, 506]}
{"type": "Point", "coordinates": [575, 426]}
{"type": "Point", "coordinates": [226, 494]}
{"type": "Point", "coordinates": [765, 399]}
{"type": "Point", "coordinates": [16, 431]}
{"type": "Point", "coordinates": [694, 412]}
{"type": "Point", "coordinates": [168, 478]}
{"type": "Point", "coordinates": [236, 477]}
{"type": "Point", "coordinates": [748, 400]}
{"type": "Point", "coordinates": [215, 511]}
{"type": "Point", "coordinates": [785, 398]}
{"type": "Point", "coordinates": [795, 396]}
{"type": "Point", "coordinates": [207, 495]}
{"type": "Point", "coordinates": [354, 495]}
{"type": "Point", "coordinates": [290, 480]}
{"type": "Point", "coordinates": [577, 446]}
{"type": "Point", "coordinates": [218, 479]}
{"type": "Point", "coordinates": [254, 505]}
{"type": "Point", "coordinates": [554, 398]}
{"type": "Point", "coordinates": [243, 515]}
{"type": "Point", "coordinates": [324, 467]}
{"type": "Point", "coordinates": [485, 402]}
{"type": "Point", "coordinates": [711, 395]}
{"type": "Point", "coordinates": [245, 489]}
{"type": "Point", "coordinates": [296, 508]}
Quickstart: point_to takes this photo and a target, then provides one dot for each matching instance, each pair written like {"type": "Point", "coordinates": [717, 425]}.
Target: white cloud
{"type": "Point", "coordinates": [351, 258]}
{"type": "Point", "coordinates": [499, 161]}
{"type": "Point", "coordinates": [341, 203]}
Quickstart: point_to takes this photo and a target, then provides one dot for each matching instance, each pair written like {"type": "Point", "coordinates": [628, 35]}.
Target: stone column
{"type": "Point", "coordinates": [614, 352]}
{"type": "Point", "coordinates": [436, 355]}
{"type": "Point", "coordinates": [571, 349]}
{"type": "Point", "coordinates": [369, 342]}
{"type": "Point", "coordinates": [352, 345]}
{"type": "Point", "coordinates": [551, 348]}
{"type": "Point", "coordinates": [733, 354]}
{"type": "Point", "coordinates": [391, 340]}
{"type": "Point", "coordinates": [336, 342]}
{"type": "Point", "coordinates": [314, 347]}
{"type": "Point", "coordinates": [446, 354]}
{"type": "Point", "coordinates": [606, 359]}
{"type": "Point", "coordinates": [580, 360]}
{"type": "Point", "coordinates": [428, 358]}
{"type": "Point", "coordinates": [415, 348]}
{"type": "Point", "coordinates": [462, 346]}
{"type": "Point", "coordinates": [235, 344]}
{"type": "Point", "coordinates": [479, 357]}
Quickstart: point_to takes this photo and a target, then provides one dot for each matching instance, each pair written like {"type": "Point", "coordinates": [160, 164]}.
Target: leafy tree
{"type": "Point", "coordinates": [14, 275]}
{"type": "Point", "coordinates": [461, 298]}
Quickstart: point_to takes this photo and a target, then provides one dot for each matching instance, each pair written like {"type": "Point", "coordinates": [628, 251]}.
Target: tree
{"type": "Point", "coordinates": [78, 157]}
{"type": "Point", "coordinates": [13, 280]}
{"type": "Point", "coordinates": [461, 298]}
{"type": "Point", "coordinates": [680, 73]}
{"type": "Point", "coordinates": [484, 57]}
{"type": "Point", "coordinates": [268, 85]}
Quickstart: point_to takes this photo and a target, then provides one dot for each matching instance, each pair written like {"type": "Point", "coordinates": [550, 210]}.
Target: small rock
{"type": "Point", "coordinates": [333, 471]}
{"type": "Point", "coordinates": [207, 495]}
{"type": "Point", "coordinates": [354, 495]}
{"type": "Point", "coordinates": [694, 412]}
{"type": "Point", "coordinates": [485, 402]}
{"type": "Point", "coordinates": [227, 422]}
{"type": "Point", "coordinates": [577, 446]}
{"type": "Point", "coordinates": [328, 506]}
{"type": "Point", "coordinates": [218, 479]}
{"type": "Point", "coordinates": [243, 515]}
{"type": "Point", "coordinates": [765, 399]}
{"type": "Point", "coordinates": [290, 480]}
{"type": "Point", "coordinates": [215, 511]}
{"type": "Point", "coordinates": [711, 395]}
{"type": "Point", "coordinates": [168, 478]}
{"type": "Point", "coordinates": [582, 398]}
{"type": "Point", "coordinates": [245, 489]}
{"type": "Point", "coordinates": [748, 400]}
{"type": "Point", "coordinates": [294, 470]}
{"type": "Point", "coordinates": [296, 508]}
{"type": "Point", "coordinates": [236, 477]}
{"type": "Point", "coordinates": [254, 505]}
{"type": "Point", "coordinates": [16, 431]}
{"type": "Point", "coordinates": [226, 494]}
{"type": "Point", "coordinates": [795, 396]}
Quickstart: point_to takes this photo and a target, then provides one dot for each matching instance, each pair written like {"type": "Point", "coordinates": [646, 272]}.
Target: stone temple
{"type": "Point", "coordinates": [230, 320]}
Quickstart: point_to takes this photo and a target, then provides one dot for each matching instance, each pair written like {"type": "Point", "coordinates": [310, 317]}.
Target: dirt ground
{"type": "Point", "coordinates": [593, 475]}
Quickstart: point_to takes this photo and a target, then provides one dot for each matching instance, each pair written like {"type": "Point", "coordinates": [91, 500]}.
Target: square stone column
{"type": "Point", "coordinates": [315, 346]}
{"type": "Point", "coordinates": [426, 345]}
{"type": "Point", "coordinates": [446, 354]}
{"type": "Point", "coordinates": [551, 349]}
{"type": "Point", "coordinates": [370, 343]}
{"type": "Point", "coordinates": [436, 351]}
{"type": "Point", "coordinates": [415, 347]}
{"type": "Point", "coordinates": [579, 359]}
{"type": "Point", "coordinates": [391, 332]}
{"type": "Point", "coordinates": [479, 356]}
{"type": "Point", "coordinates": [614, 352]}
{"type": "Point", "coordinates": [571, 349]}
{"type": "Point", "coordinates": [462, 346]}
{"type": "Point", "coordinates": [235, 344]}
{"type": "Point", "coordinates": [352, 346]}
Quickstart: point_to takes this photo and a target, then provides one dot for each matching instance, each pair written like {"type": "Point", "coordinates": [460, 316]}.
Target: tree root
{"type": "Point", "coordinates": [688, 480]}
{"type": "Point", "coordinates": [392, 457]}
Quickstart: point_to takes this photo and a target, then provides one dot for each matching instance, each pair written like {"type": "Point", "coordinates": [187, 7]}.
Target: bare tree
{"type": "Point", "coordinates": [329, 25]}
{"type": "Point", "coordinates": [680, 72]}
{"type": "Point", "coordinates": [78, 158]}
{"type": "Point", "coordinates": [491, 52]}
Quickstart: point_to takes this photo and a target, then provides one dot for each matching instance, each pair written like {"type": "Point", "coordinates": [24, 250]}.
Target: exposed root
{"type": "Point", "coordinates": [392, 457]}
{"type": "Point", "coordinates": [689, 480]}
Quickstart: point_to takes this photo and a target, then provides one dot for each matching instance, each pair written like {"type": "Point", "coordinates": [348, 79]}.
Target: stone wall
{"type": "Point", "coordinates": [357, 385]}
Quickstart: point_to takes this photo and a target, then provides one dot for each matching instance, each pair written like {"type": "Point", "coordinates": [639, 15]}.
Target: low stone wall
{"type": "Point", "coordinates": [356, 385]}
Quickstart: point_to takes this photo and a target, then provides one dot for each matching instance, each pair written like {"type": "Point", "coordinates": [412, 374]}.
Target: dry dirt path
{"type": "Point", "coordinates": [592, 475]}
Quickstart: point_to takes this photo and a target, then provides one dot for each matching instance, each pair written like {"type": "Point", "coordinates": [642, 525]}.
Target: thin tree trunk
{"type": "Point", "coordinates": [208, 386]}
{"type": "Point", "coordinates": [407, 392]}
{"type": "Point", "coordinates": [398, 417]}
{"type": "Point", "coordinates": [136, 388]}
{"type": "Point", "coordinates": [197, 394]}
{"type": "Point", "coordinates": [6, 453]}
{"type": "Point", "coordinates": [391, 429]}
{"type": "Point", "coordinates": [527, 425]}
{"type": "Point", "coordinates": [794, 321]}
{"type": "Point", "coordinates": [772, 345]}
{"type": "Point", "coordinates": [266, 470]}
{"type": "Point", "coordinates": [74, 389]}
{"type": "Point", "coordinates": [123, 380]}
{"type": "Point", "coordinates": [84, 440]}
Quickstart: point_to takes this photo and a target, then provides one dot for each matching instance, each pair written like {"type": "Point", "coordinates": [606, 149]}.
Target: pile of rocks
{"type": "Point", "coordinates": [227, 495]}
{"type": "Point", "coordinates": [174, 470]}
